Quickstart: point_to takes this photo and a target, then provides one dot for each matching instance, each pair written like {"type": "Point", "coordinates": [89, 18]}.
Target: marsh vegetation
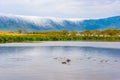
{"type": "Point", "coordinates": [110, 34]}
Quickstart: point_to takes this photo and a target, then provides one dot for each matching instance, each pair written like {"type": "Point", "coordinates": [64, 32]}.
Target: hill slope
{"type": "Point", "coordinates": [33, 23]}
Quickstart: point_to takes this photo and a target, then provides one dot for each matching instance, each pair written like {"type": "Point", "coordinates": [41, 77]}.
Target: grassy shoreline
{"type": "Point", "coordinates": [9, 38]}
{"type": "Point", "coordinates": [109, 35]}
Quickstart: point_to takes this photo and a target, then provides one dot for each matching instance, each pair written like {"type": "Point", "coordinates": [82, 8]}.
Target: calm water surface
{"type": "Point", "coordinates": [44, 63]}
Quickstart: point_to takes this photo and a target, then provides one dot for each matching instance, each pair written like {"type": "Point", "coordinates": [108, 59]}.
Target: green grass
{"type": "Point", "coordinates": [6, 39]}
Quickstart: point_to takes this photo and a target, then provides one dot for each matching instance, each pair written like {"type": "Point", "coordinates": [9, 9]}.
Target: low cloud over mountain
{"type": "Point", "coordinates": [33, 23]}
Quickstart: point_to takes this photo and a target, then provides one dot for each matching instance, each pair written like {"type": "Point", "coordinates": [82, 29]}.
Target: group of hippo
{"type": "Point", "coordinates": [68, 60]}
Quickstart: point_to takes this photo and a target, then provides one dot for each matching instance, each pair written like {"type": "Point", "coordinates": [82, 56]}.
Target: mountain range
{"type": "Point", "coordinates": [34, 23]}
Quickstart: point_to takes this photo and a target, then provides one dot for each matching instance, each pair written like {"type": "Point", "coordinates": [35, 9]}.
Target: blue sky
{"type": "Point", "coordinates": [62, 8]}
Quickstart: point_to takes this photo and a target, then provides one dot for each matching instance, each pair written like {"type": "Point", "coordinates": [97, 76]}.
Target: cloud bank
{"type": "Point", "coordinates": [62, 8]}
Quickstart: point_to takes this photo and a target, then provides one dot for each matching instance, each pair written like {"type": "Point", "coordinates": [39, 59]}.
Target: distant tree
{"type": "Point", "coordinates": [110, 32]}
{"type": "Point", "coordinates": [65, 32]}
{"type": "Point", "coordinates": [87, 33]}
{"type": "Point", "coordinates": [96, 32]}
{"type": "Point", "coordinates": [73, 33]}
{"type": "Point", "coordinates": [20, 31]}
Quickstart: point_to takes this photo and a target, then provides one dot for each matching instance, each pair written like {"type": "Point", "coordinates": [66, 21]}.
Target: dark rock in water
{"type": "Point", "coordinates": [63, 62]}
{"type": "Point", "coordinates": [115, 60]}
{"type": "Point", "coordinates": [68, 60]}
{"type": "Point", "coordinates": [55, 58]}
{"type": "Point", "coordinates": [89, 57]}
{"type": "Point", "coordinates": [106, 60]}
{"type": "Point", "coordinates": [102, 61]}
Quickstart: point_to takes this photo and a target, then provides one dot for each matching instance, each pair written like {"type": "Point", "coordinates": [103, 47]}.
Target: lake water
{"type": "Point", "coordinates": [43, 61]}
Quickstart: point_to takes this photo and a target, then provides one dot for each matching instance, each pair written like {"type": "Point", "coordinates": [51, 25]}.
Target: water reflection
{"type": "Point", "coordinates": [43, 63]}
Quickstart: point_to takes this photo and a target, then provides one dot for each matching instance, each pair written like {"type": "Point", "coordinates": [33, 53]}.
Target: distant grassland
{"type": "Point", "coordinates": [95, 35]}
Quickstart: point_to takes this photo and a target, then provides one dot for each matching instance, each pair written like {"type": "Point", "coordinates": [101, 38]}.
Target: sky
{"type": "Point", "coordinates": [62, 8]}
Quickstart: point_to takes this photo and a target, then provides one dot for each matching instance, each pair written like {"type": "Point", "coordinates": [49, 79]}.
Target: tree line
{"type": "Point", "coordinates": [103, 33]}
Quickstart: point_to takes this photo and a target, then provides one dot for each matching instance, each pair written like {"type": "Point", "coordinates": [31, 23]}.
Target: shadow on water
{"type": "Point", "coordinates": [66, 50]}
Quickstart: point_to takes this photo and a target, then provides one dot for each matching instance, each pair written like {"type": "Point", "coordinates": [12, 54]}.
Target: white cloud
{"type": "Point", "coordinates": [91, 8]}
{"type": "Point", "coordinates": [62, 8]}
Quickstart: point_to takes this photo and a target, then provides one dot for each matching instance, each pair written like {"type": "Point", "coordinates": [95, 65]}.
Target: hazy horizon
{"type": "Point", "coordinates": [61, 8]}
{"type": "Point", "coordinates": [52, 17]}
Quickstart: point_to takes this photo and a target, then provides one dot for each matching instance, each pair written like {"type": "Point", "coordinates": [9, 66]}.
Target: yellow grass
{"type": "Point", "coordinates": [18, 34]}
{"type": "Point", "coordinates": [9, 33]}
